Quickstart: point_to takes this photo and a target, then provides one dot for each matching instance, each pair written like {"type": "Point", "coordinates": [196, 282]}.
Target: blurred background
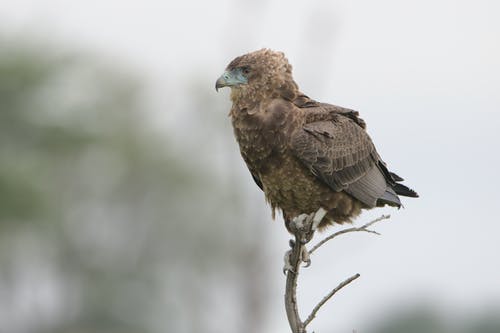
{"type": "Point", "coordinates": [125, 206]}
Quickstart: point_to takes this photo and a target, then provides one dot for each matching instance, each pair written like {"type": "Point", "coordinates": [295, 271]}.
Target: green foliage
{"type": "Point", "coordinates": [419, 319]}
{"type": "Point", "coordinates": [110, 228]}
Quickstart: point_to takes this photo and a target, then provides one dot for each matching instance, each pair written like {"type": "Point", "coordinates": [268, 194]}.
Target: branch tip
{"type": "Point", "coordinates": [328, 296]}
{"type": "Point", "coordinates": [363, 228]}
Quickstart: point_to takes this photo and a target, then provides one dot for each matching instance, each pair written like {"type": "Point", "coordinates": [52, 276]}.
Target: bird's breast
{"type": "Point", "coordinates": [263, 141]}
{"type": "Point", "coordinates": [288, 185]}
{"type": "Point", "coordinates": [263, 138]}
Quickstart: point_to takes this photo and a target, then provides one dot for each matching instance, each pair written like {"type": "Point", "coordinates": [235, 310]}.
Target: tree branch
{"type": "Point", "coordinates": [353, 229]}
{"type": "Point", "coordinates": [292, 275]}
{"type": "Point", "coordinates": [328, 296]}
{"type": "Point", "coordinates": [303, 232]}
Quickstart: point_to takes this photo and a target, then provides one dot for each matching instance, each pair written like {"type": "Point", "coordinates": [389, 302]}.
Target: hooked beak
{"type": "Point", "coordinates": [220, 83]}
{"type": "Point", "coordinates": [231, 78]}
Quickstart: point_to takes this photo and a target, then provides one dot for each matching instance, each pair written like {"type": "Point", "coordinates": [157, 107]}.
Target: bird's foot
{"type": "Point", "coordinates": [288, 267]}
{"type": "Point", "coordinates": [303, 226]}
{"type": "Point", "coordinates": [303, 256]}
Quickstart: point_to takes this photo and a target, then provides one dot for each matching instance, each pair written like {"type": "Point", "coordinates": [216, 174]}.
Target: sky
{"type": "Point", "coordinates": [425, 75]}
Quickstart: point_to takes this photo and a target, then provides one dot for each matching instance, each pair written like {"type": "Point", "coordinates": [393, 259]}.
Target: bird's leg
{"type": "Point", "coordinates": [298, 226]}
{"type": "Point", "coordinates": [306, 224]}
{"type": "Point", "coordinates": [318, 216]}
{"type": "Point", "coordinates": [303, 226]}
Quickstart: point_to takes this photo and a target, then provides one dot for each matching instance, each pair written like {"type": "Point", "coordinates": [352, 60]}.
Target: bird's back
{"type": "Point", "coordinates": [335, 146]}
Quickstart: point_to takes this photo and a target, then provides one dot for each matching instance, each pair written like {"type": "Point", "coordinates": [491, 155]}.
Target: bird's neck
{"type": "Point", "coordinates": [249, 97]}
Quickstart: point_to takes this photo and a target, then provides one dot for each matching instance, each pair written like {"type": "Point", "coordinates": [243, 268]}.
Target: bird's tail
{"type": "Point", "coordinates": [394, 181]}
{"type": "Point", "coordinates": [404, 190]}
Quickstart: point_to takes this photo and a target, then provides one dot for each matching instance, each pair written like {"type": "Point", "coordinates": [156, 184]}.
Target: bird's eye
{"type": "Point", "coordinates": [246, 70]}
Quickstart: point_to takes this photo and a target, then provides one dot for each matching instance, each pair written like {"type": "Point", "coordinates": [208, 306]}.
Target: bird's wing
{"type": "Point", "coordinates": [316, 111]}
{"type": "Point", "coordinates": [253, 172]}
{"type": "Point", "coordinates": [341, 154]}
{"type": "Point", "coordinates": [257, 180]}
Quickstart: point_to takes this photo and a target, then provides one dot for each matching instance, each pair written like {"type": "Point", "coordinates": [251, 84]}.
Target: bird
{"type": "Point", "coordinates": [308, 157]}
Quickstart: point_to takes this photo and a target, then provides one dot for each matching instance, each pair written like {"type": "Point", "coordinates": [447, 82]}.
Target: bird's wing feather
{"type": "Point", "coordinates": [253, 172]}
{"type": "Point", "coordinates": [340, 153]}
{"type": "Point", "coordinates": [316, 111]}
{"type": "Point", "coordinates": [257, 180]}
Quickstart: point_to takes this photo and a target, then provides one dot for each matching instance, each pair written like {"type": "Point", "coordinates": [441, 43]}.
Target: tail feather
{"type": "Point", "coordinates": [404, 190]}
{"type": "Point", "coordinates": [396, 177]}
{"type": "Point", "coordinates": [390, 198]}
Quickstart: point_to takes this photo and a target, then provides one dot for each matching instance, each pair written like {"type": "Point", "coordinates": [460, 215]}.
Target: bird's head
{"type": "Point", "coordinates": [258, 74]}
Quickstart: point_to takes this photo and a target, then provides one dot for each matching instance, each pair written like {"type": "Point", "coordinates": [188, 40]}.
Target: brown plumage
{"type": "Point", "coordinates": [304, 154]}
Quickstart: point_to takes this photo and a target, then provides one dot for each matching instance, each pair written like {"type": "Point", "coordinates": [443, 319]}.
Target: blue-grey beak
{"type": "Point", "coordinates": [230, 79]}
{"type": "Point", "coordinates": [221, 82]}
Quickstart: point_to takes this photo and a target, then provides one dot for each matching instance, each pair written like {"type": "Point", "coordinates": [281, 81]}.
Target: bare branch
{"type": "Point", "coordinates": [327, 297]}
{"type": "Point", "coordinates": [291, 307]}
{"type": "Point", "coordinates": [302, 228]}
{"type": "Point", "coordinates": [353, 229]}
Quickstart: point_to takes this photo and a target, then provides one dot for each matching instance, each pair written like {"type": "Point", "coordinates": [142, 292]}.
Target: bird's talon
{"type": "Point", "coordinates": [287, 267]}
{"type": "Point", "coordinates": [304, 256]}
{"type": "Point", "coordinates": [307, 263]}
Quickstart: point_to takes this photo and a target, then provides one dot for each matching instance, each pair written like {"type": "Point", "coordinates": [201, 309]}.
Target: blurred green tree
{"type": "Point", "coordinates": [420, 318]}
{"type": "Point", "coordinates": [104, 227]}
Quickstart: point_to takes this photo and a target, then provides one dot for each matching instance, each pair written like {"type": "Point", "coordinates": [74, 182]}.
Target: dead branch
{"type": "Point", "coordinates": [292, 275]}
{"type": "Point", "coordinates": [328, 296]}
{"type": "Point", "coordinates": [303, 233]}
{"type": "Point", "coordinates": [353, 229]}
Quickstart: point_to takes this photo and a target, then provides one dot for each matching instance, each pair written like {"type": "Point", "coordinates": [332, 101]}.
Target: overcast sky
{"type": "Point", "coordinates": [425, 75]}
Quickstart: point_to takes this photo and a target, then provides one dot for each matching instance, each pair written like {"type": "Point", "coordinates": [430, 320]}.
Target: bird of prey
{"type": "Point", "coordinates": [305, 155]}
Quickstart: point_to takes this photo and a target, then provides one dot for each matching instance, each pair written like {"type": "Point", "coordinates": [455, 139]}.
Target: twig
{"type": "Point", "coordinates": [328, 296]}
{"type": "Point", "coordinates": [353, 229]}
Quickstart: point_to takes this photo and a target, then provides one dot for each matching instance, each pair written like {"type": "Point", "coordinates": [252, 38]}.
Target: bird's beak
{"type": "Point", "coordinates": [221, 82]}
{"type": "Point", "coordinates": [231, 78]}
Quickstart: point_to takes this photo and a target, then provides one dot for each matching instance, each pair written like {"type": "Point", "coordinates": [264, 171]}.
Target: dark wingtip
{"type": "Point", "coordinates": [405, 191]}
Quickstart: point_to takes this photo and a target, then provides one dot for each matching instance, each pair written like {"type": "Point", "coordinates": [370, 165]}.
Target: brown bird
{"type": "Point", "coordinates": [306, 156]}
